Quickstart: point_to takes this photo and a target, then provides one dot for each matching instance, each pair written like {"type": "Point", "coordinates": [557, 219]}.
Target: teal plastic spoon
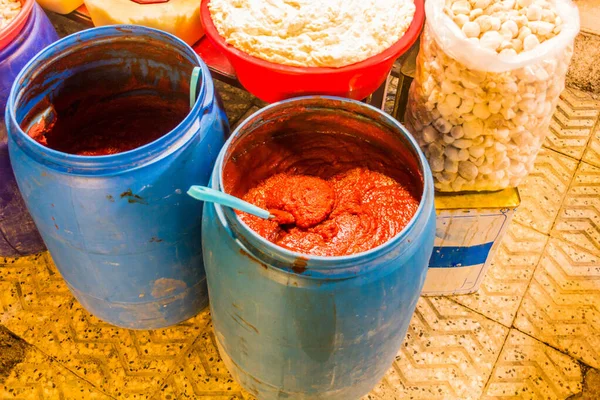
{"type": "Point", "coordinates": [215, 196]}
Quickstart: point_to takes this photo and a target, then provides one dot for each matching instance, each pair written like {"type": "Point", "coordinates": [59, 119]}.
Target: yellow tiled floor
{"type": "Point", "coordinates": [532, 331]}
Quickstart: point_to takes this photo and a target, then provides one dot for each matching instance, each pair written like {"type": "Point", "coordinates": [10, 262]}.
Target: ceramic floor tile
{"type": "Point", "coordinates": [592, 153]}
{"type": "Point", "coordinates": [448, 353]}
{"type": "Point", "coordinates": [124, 363]}
{"type": "Point", "coordinates": [509, 275]}
{"type": "Point", "coordinates": [529, 369]}
{"type": "Point", "coordinates": [579, 219]}
{"type": "Point", "coordinates": [562, 305]}
{"type": "Point", "coordinates": [38, 377]}
{"type": "Point", "coordinates": [544, 189]}
{"type": "Point", "coordinates": [202, 374]}
{"type": "Point", "coordinates": [31, 291]}
{"type": "Point", "coordinates": [36, 305]}
{"type": "Point", "coordinates": [572, 124]}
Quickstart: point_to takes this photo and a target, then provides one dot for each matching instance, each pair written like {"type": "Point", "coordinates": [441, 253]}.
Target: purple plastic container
{"type": "Point", "coordinates": [18, 234]}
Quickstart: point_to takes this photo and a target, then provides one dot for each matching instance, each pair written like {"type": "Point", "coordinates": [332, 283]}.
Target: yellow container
{"type": "Point", "coordinates": [178, 17]}
{"type": "Point", "coordinates": [469, 229]}
{"type": "Point", "coordinates": [60, 6]}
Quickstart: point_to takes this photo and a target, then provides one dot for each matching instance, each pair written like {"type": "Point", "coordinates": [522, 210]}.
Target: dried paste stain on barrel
{"type": "Point", "coordinates": [133, 198]}
{"type": "Point", "coordinates": [164, 287]}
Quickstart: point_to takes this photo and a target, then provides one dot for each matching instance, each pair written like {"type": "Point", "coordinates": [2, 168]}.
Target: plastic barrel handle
{"type": "Point", "coordinates": [194, 85]}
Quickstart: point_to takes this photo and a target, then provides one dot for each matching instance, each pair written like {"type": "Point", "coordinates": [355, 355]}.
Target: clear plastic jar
{"type": "Point", "coordinates": [481, 117]}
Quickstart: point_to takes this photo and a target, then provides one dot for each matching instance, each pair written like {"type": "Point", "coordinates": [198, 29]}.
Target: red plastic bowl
{"type": "Point", "coordinates": [16, 25]}
{"type": "Point", "coordinates": [273, 82]}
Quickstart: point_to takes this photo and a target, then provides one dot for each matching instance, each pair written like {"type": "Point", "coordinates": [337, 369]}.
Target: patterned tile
{"type": "Point", "coordinates": [528, 369]}
{"type": "Point", "coordinates": [562, 304]}
{"type": "Point", "coordinates": [544, 190]}
{"type": "Point", "coordinates": [572, 124]}
{"type": "Point", "coordinates": [39, 377]}
{"type": "Point", "coordinates": [124, 363]}
{"type": "Point", "coordinates": [36, 305]}
{"type": "Point", "coordinates": [509, 275]}
{"type": "Point", "coordinates": [579, 219]}
{"type": "Point", "coordinates": [31, 291]}
{"type": "Point", "coordinates": [202, 374]}
{"type": "Point", "coordinates": [448, 353]}
{"type": "Point", "coordinates": [592, 153]}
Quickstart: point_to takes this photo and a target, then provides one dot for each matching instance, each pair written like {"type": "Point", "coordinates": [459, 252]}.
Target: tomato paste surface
{"type": "Point", "coordinates": [351, 212]}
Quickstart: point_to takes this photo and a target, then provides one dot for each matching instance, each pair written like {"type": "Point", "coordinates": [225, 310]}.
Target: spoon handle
{"type": "Point", "coordinates": [216, 196]}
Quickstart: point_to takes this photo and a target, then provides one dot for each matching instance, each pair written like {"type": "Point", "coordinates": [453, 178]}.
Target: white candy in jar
{"type": "Point", "coordinates": [496, 24]}
{"type": "Point", "coordinates": [482, 130]}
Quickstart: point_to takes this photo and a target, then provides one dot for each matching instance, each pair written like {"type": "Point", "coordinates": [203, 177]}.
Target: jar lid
{"type": "Point", "coordinates": [16, 25]}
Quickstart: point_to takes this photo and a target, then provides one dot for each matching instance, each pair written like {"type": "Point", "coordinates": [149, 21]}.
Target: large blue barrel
{"type": "Point", "coordinates": [296, 326]}
{"type": "Point", "coordinates": [120, 228]}
{"type": "Point", "coordinates": [19, 235]}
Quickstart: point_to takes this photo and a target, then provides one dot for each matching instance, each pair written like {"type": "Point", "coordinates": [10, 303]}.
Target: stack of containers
{"type": "Point", "coordinates": [131, 245]}
{"type": "Point", "coordinates": [28, 33]}
{"type": "Point", "coordinates": [488, 77]}
{"type": "Point", "coordinates": [127, 239]}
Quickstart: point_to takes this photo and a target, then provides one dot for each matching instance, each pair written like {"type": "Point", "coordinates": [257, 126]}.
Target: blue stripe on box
{"type": "Point", "coordinates": [449, 257]}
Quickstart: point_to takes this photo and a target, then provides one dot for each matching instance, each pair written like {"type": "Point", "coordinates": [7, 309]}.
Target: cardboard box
{"type": "Point", "coordinates": [469, 229]}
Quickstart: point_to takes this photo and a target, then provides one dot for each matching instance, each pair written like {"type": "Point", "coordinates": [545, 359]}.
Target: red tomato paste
{"type": "Point", "coordinates": [119, 124]}
{"type": "Point", "coordinates": [349, 213]}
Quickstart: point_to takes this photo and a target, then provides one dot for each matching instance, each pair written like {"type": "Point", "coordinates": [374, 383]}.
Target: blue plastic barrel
{"type": "Point", "coordinates": [120, 228]}
{"type": "Point", "coordinates": [295, 326]}
{"type": "Point", "coordinates": [18, 234]}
